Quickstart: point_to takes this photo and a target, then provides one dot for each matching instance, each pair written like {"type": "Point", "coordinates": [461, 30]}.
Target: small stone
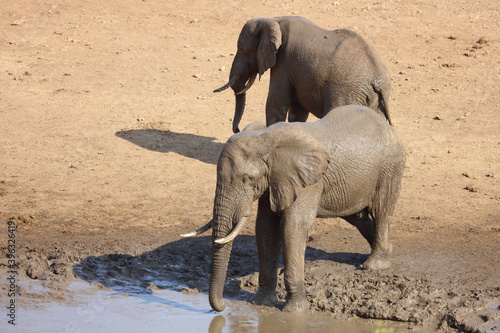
{"type": "Point", "coordinates": [483, 41]}
{"type": "Point", "coordinates": [189, 291]}
{"type": "Point", "coordinates": [472, 188]}
{"type": "Point", "coordinates": [36, 268]}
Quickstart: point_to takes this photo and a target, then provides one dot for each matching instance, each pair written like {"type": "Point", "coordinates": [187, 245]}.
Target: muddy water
{"type": "Point", "coordinates": [89, 307]}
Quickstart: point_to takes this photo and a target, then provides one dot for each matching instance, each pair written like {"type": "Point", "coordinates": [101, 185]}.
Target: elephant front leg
{"type": "Point", "coordinates": [278, 100]}
{"type": "Point", "coordinates": [296, 223]}
{"type": "Point", "coordinates": [267, 233]}
{"type": "Point", "coordinates": [294, 248]}
{"type": "Point", "coordinates": [297, 113]}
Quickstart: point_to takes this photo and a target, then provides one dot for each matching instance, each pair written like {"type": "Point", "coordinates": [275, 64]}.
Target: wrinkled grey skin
{"type": "Point", "coordinates": [348, 164]}
{"type": "Point", "coordinates": [312, 69]}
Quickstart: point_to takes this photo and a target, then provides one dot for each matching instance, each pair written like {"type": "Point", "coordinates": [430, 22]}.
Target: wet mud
{"type": "Point", "coordinates": [335, 283]}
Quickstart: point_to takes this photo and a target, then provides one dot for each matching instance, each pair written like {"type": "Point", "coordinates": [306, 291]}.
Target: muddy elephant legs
{"type": "Point", "coordinates": [381, 248]}
{"type": "Point", "coordinates": [294, 249]}
{"type": "Point", "coordinates": [377, 235]}
{"type": "Point", "coordinates": [267, 233]}
{"type": "Point", "coordinates": [381, 211]}
{"type": "Point", "coordinates": [296, 222]}
{"type": "Point", "coordinates": [287, 231]}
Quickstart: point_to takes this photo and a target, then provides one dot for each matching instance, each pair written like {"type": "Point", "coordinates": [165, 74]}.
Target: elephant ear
{"type": "Point", "coordinates": [298, 160]}
{"type": "Point", "coordinates": [270, 41]}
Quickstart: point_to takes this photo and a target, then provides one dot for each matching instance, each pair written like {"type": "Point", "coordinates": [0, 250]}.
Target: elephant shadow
{"type": "Point", "coordinates": [184, 265]}
{"type": "Point", "coordinates": [202, 148]}
{"type": "Point", "coordinates": [347, 258]}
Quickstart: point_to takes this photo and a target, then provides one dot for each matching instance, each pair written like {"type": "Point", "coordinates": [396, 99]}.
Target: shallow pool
{"type": "Point", "coordinates": [89, 307]}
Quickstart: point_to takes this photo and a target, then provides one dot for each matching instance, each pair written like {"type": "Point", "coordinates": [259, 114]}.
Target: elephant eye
{"type": "Point", "coordinates": [244, 51]}
{"type": "Point", "coordinates": [247, 180]}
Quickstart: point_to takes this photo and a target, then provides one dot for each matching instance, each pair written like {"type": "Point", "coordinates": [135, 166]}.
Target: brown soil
{"type": "Point", "coordinates": [110, 134]}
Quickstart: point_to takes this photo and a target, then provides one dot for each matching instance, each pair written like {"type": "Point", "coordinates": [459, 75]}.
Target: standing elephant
{"type": "Point", "coordinates": [349, 164]}
{"type": "Point", "coordinates": [312, 69]}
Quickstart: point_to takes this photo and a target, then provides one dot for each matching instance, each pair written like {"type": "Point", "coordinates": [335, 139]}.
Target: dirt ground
{"type": "Point", "coordinates": [110, 134]}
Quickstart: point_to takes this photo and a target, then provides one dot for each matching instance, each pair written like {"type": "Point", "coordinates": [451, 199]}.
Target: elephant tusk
{"type": "Point", "coordinates": [229, 84]}
{"type": "Point", "coordinates": [248, 85]}
{"type": "Point", "coordinates": [233, 233]}
{"type": "Point", "coordinates": [199, 231]}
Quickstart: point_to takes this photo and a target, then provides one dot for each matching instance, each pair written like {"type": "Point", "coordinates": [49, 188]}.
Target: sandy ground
{"type": "Point", "coordinates": [110, 134]}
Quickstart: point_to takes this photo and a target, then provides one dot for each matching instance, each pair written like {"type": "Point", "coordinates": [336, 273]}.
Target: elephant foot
{"type": "Point", "coordinates": [376, 263]}
{"type": "Point", "coordinates": [265, 298]}
{"type": "Point", "coordinates": [296, 304]}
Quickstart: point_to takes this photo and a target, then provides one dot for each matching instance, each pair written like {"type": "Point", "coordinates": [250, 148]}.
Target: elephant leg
{"type": "Point", "coordinates": [381, 248]}
{"type": "Point", "coordinates": [381, 211]}
{"type": "Point", "coordinates": [364, 224]}
{"type": "Point", "coordinates": [278, 100]}
{"type": "Point", "coordinates": [296, 222]}
{"type": "Point", "coordinates": [267, 233]}
{"type": "Point", "coordinates": [294, 248]}
{"type": "Point", "coordinates": [297, 113]}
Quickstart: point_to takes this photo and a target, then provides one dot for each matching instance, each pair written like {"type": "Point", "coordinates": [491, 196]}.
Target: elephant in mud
{"type": "Point", "coordinates": [312, 69]}
{"type": "Point", "coordinates": [349, 164]}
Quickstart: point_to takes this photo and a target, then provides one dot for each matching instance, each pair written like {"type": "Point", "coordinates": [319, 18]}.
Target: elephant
{"type": "Point", "coordinates": [348, 164]}
{"type": "Point", "coordinates": [313, 70]}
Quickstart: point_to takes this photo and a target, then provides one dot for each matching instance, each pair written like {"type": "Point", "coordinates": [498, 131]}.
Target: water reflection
{"type": "Point", "coordinates": [217, 324]}
{"type": "Point", "coordinates": [265, 320]}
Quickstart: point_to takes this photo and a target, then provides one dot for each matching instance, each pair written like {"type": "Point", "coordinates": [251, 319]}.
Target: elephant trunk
{"type": "Point", "coordinates": [220, 261]}
{"type": "Point", "coordinates": [238, 111]}
{"type": "Point", "coordinates": [221, 227]}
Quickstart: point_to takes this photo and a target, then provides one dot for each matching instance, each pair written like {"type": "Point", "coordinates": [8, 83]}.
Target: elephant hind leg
{"type": "Point", "coordinates": [381, 211]}
{"type": "Point", "coordinates": [364, 224]}
{"type": "Point", "coordinates": [381, 248]}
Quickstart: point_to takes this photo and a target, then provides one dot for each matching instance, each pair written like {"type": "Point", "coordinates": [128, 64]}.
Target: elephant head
{"type": "Point", "coordinates": [280, 160]}
{"type": "Point", "coordinates": [258, 44]}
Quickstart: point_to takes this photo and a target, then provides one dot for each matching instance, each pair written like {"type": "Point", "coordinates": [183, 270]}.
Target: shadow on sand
{"type": "Point", "coordinates": [202, 148]}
